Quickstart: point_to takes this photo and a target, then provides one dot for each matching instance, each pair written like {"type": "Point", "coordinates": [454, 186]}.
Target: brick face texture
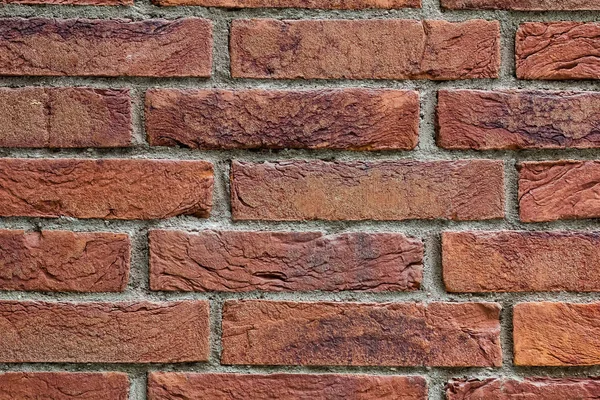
{"type": "Point", "coordinates": [532, 388]}
{"type": "Point", "coordinates": [400, 334]}
{"type": "Point", "coordinates": [559, 50]}
{"type": "Point", "coordinates": [109, 189]}
{"type": "Point", "coordinates": [64, 261]}
{"type": "Point", "coordinates": [349, 119]}
{"type": "Point", "coordinates": [523, 5]}
{"type": "Point", "coordinates": [299, 199]}
{"type": "Point", "coordinates": [163, 386]}
{"type": "Point", "coordinates": [367, 49]}
{"type": "Point", "coordinates": [554, 190]}
{"type": "Point", "coordinates": [556, 334]}
{"type": "Point", "coordinates": [104, 332]}
{"type": "Point", "coordinates": [305, 190]}
{"type": "Point", "coordinates": [521, 261]}
{"type": "Point", "coordinates": [65, 117]}
{"type": "Point", "coordinates": [63, 386]}
{"type": "Point", "coordinates": [279, 261]}
{"type": "Point", "coordinates": [51, 47]}
{"type": "Point", "coordinates": [486, 120]}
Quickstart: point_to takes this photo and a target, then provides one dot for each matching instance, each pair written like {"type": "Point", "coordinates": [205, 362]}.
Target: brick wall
{"type": "Point", "coordinates": [299, 199]}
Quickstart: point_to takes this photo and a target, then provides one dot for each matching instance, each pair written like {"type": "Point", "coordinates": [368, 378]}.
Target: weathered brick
{"type": "Point", "coordinates": [530, 389]}
{"type": "Point", "coordinates": [64, 261]}
{"type": "Point", "coordinates": [141, 332]}
{"type": "Point", "coordinates": [105, 188]}
{"type": "Point", "coordinates": [319, 4]}
{"type": "Point", "coordinates": [173, 385]}
{"type": "Point", "coordinates": [558, 50]}
{"type": "Point", "coordinates": [84, 47]}
{"type": "Point", "coordinates": [65, 117]}
{"type": "Point", "coordinates": [556, 334]}
{"type": "Point", "coordinates": [387, 190]}
{"type": "Point", "coordinates": [348, 119]}
{"type": "Point", "coordinates": [521, 261]}
{"type": "Point", "coordinates": [552, 190]}
{"type": "Point", "coordinates": [522, 5]}
{"type": "Point", "coordinates": [400, 334]}
{"type": "Point", "coordinates": [63, 386]}
{"type": "Point", "coordinates": [514, 119]}
{"type": "Point", "coordinates": [364, 49]}
{"type": "Point", "coordinates": [235, 261]}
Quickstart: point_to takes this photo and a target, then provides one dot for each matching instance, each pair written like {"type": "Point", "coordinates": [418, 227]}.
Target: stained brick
{"type": "Point", "coordinates": [86, 47]}
{"type": "Point", "coordinates": [387, 190]}
{"type": "Point", "coordinates": [347, 119]}
{"type": "Point", "coordinates": [364, 49]}
{"type": "Point", "coordinates": [141, 332]}
{"type": "Point", "coordinates": [234, 261]}
{"type": "Point", "coordinates": [398, 334]}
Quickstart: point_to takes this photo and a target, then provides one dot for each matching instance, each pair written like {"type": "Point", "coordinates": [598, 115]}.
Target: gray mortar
{"type": "Point", "coordinates": [429, 231]}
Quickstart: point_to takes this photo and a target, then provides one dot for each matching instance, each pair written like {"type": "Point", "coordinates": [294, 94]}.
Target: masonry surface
{"type": "Point", "coordinates": [299, 199]}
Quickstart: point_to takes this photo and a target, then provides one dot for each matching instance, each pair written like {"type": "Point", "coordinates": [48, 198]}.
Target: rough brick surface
{"type": "Point", "coordinates": [172, 386]}
{"type": "Point", "coordinates": [364, 49]}
{"type": "Point", "coordinates": [553, 190]}
{"type": "Point", "coordinates": [42, 46]}
{"type": "Point", "coordinates": [399, 334]}
{"type": "Point", "coordinates": [521, 261]}
{"type": "Point", "coordinates": [388, 190]}
{"type": "Point", "coordinates": [63, 386]}
{"type": "Point", "coordinates": [530, 389]}
{"type": "Point", "coordinates": [556, 334]}
{"type": "Point", "coordinates": [65, 117]}
{"type": "Point", "coordinates": [236, 261]}
{"type": "Point", "coordinates": [558, 50]}
{"type": "Point", "coordinates": [64, 261]}
{"type": "Point", "coordinates": [349, 119]}
{"type": "Point", "coordinates": [319, 4]}
{"type": "Point", "coordinates": [107, 188]}
{"type": "Point", "coordinates": [488, 120]}
{"type": "Point", "coordinates": [523, 5]}
{"type": "Point", "coordinates": [104, 332]}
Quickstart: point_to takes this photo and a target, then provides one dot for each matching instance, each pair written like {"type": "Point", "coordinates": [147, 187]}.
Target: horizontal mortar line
{"type": "Point", "coordinates": [417, 228]}
{"type": "Point", "coordinates": [226, 156]}
{"type": "Point", "coordinates": [507, 300]}
{"type": "Point", "coordinates": [218, 82]}
{"type": "Point", "coordinates": [145, 10]}
{"type": "Point", "coordinates": [437, 373]}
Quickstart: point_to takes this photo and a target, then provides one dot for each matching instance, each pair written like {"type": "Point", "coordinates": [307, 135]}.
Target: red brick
{"type": "Point", "coordinates": [514, 119]}
{"type": "Point", "coordinates": [347, 119]}
{"type": "Point", "coordinates": [553, 190]}
{"type": "Point", "coordinates": [84, 47]}
{"type": "Point", "coordinates": [387, 190]}
{"type": "Point", "coordinates": [522, 5]}
{"type": "Point", "coordinates": [105, 188]}
{"type": "Point", "coordinates": [65, 117]}
{"type": "Point", "coordinates": [63, 386]}
{"type": "Point", "coordinates": [319, 4]}
{"type": "Point", "coordinates": [521, 261]}
{"type": "Point", "coordinates": [237, 261]}
{"type": "Point", "coordinates": [141, 332]}
{"type": "Point", "coordinates": [64, 261]}
{"type": "Point", "coordinates": [530, 389]}
{"type": "Point", "coordinates": [364, 49]}
{"type": "Point", "coordinates": [556, 334]}
{"type": "Point", "coordinates": [558, 50]}
{"type": "Point", "coordinates": [400, 334]}
{"type": "Point", "coordinates": [173, 385]}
